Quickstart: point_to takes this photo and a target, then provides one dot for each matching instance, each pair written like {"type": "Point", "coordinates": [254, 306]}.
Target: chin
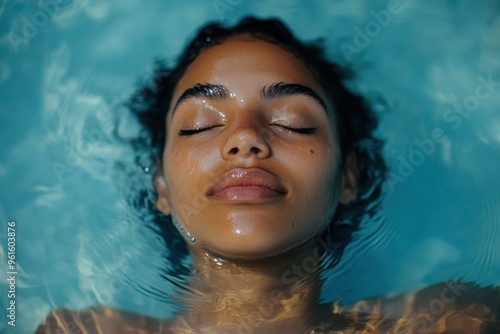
{"type": "Point", "coordinates": [255, 248]}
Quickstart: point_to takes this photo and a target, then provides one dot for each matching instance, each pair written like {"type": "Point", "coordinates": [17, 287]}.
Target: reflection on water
{"type": "Point", "coordinates": [81, 239]}
{"type": "Point", "coordinates": [442, 308]}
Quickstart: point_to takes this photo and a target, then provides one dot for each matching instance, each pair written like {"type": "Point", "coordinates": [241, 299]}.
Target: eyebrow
{"type": "Point", "coordinates": [287, 89]}
{"type": "Point", "coordinates": [213, 92]}
{"type": "Point", "coordinates": [219, 92]}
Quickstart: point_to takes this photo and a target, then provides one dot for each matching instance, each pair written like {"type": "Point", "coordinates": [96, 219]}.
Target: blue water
{"type": "Point", "coordinates": [66, 66]}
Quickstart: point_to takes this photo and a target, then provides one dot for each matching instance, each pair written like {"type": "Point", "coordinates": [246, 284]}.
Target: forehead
{"type": "Point", "coordinates": [241, 61]}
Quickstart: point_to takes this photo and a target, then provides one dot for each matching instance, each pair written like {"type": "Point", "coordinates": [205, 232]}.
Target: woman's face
{"type": "Point", "coordinates": [251, 162]}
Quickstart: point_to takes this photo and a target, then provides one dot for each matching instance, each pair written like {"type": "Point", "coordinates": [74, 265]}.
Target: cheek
{"type": "Point", "coordinates": [177, 170]}
{"type": "Point", "coordinates": [315, 163]}
{"type": "Point", "coordinates": [189, 174]}
{"type": "Point", "coordinates": [317, 171]}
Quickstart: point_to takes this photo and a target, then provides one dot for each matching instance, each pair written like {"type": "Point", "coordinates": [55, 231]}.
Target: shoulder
{"type": "Point", "coordinates": [451, 305]}
{"type": "Point", "coordinates": [99, 320]}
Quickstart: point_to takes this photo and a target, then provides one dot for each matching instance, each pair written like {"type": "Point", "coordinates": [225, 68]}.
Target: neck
{"type": "Point", "coordinates": [259, 295]}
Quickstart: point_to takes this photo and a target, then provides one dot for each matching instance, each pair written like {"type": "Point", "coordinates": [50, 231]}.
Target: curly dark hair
{"type": "Point", "coordinates": [356, 121]}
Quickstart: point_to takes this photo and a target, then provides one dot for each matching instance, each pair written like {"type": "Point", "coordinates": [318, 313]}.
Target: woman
{"type": "Point", "coordinates": [267, 164]}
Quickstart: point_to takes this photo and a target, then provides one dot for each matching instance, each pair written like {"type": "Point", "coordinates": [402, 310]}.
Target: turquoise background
{"type": "Point", "coordinates": [66, 66]}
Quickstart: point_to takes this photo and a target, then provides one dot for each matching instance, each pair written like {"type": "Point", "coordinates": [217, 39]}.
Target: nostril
{"type": "Point", "coordinates": [254, 150]}
{"type": "Point", "coordinates": [234, 150]}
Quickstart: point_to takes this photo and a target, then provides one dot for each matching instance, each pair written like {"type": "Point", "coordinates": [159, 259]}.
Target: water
{"type": "Point", "coordinates": [66, 68]}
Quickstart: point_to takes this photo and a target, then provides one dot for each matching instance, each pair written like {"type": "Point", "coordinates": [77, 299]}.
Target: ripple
{"type": "Point", "coordinates": [489, 229]}
{"type": "Point", "coordinates": [373, 238]}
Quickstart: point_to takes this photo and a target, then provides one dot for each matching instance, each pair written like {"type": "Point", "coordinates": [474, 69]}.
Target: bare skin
{"type": "Point", "coordinates": [260, 234]}
{"type": "Point", "coordinates": [249, 132]}
{"type": "Point", "coordinates": [247, 236]}
{"type": "Point", "coordinates": [442, 308]}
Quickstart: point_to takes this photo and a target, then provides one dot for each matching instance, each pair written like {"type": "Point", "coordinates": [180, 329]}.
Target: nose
{"type": "Point", "coordinates": [246, 141]}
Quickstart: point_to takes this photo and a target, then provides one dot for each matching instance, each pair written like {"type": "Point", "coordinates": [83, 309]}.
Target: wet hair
{"type": "Point", "coordinates": [356, 122]}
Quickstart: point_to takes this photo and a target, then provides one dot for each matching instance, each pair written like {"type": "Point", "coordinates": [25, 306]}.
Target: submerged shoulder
{"type": "Point", "coordinates": [99, 320]}
{"type": "Point", "coordinates": [455, 306]}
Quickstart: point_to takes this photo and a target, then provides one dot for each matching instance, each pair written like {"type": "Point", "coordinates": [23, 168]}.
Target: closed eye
{"type": "Point", "coordinates": [307, 131]}
{"type": "Point", "coordinates": [189, 132]}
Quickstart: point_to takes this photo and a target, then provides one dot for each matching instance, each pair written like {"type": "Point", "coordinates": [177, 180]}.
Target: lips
{"type": "Point", "coordinates": [246, 185]}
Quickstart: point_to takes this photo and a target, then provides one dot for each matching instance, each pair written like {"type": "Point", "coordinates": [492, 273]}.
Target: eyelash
{"type": "Point", "coordinates": [190, 132]}
{"type": "Point", "coordinates": [305, 131]}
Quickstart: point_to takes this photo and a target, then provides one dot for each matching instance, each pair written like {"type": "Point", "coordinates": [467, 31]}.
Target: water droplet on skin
{"type": "Point", "coordinates": [223, 116]}
{"type": "Point", "coordinates": [208, 106]}
{"type": "Point", "coordinates": [187, 236]}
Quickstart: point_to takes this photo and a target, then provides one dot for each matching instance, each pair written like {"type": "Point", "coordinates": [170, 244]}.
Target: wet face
{"type": "Point", "coordinates": [251, 162]}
